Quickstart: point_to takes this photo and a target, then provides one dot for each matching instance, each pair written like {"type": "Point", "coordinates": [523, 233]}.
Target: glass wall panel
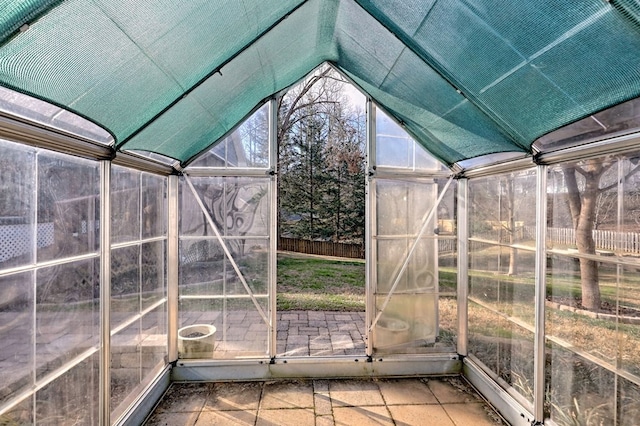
{"type": "Point", "coordinates": [154, 205]}
{"type": "Point", "coordinates": [409, 316]}
{"type": "Point", "coordinates": [579, 391]}
{"type": "Point", "coordinates": [153, 342]}
{"type": "Point", "coordinates": [68, 206]}
{"type": "Point", "coordinates": [17, 206]}
{"type": "Point", "coordinates": [500, 208]}
{"type": "Point", "coordinates": [239, 206]}
{"type": "Point", "coordinates": [593, 301]}
{"type": "Point", "coordinates": [395, 148]}
{"type": "Point", "coordinates": [209, 282]}
{"type": "Point", "coordinates": [502, 278]}
{"type": "Point", "coordinates": [125, 205]}
{"type": "Point", "coordinates": [628, 402]}
{"type": "Point", "coordinates": [20, 414]}
{"type": "Point", "coordinates": [16, 334]}
{"type": "Point", "coordinates": [503, 346]}
{"type": "Point", "coordinates": [72, 398]}
{"type": "Point", "coordinates": [628, 318]}
{"type": "Point", "coordinates": [247, 146]}
{"type": "Point", "coordinates": [125, 284]}
{"type": "Point", "coordinates": [67, 313]}
{"type": "Point", "coordinates": [153, 273]}
{"type": "Point", "coordinates": [125, 368]}
{"type": "Point", "coordinates": [138, 284]}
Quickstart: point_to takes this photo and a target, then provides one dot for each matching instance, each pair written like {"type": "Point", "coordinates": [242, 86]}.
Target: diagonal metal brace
{"type": "Point", "coordinates": [425, 222]}
{"type": "Point", "coordinates": [226, 250]}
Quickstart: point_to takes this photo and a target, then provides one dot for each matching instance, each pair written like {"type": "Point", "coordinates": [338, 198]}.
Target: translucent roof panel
{"type": "Point", "coordinates": [26, 107]}
{"type": "Point", "coordinates": [465, 79]}
{"type": "Point", "coordinates": [615, 121]}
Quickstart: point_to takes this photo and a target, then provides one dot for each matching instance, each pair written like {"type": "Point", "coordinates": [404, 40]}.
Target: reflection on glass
{"type": "Point", "coordinates": [628, 312]}
{"type": "Point", "coordinates": [153, 342]}
{"type": "Point", "coordinates": [501, 208]}
{"type": "Point", "coordinates": [125, 284]}
{"type": "Point", "coordinates": [16, 333]}
{"type": "Point", "coordinates": [511, 294]}
{"type": "Point", "coordinates": [408, 318]}
{"type": "Point", "coordinates": [71, 399]}
{"type": "Point", "coordinates": [125, 205]}
{"type": "Point", "coordinates": [125, 368]}
{"type": "Point", "coordinates": [579, 391]}
{"type": "Point", "coordinates": [153, 206]}
{"type": "Point", "coordinates": [21, 414]}
{"type": "Point", "coordinates": [67, 313]}
{"type": "Point", "coordinates": [68, 198]}
{"type": "Point", "coordinates": [153, 272]}
{"type": "Point", "coordinates": [240, 330]}
{"type": "Point", "coordinates": [247, 146]}
{"type": "Point", "coordinates": [412, 201]}
{"type": "Point", "coordinates": [238, 206]}
{"type": "Point", "coordinates": [504, 347]}
{"type": "Point", "coordinates": [17, 196]}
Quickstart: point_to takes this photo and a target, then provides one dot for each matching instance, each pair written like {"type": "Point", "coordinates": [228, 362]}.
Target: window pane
{"type": "Point", "coordinates": [71, 399]}
{"type": "Point", "coordinates": [125, 205]}
{"type": "Point", "coordinates": [67, 313]}
{"type": "Point", "coordinates": [17, 196]}
{"type": "Point", "coordinates": [125, 284]}
{"type": "Point", "coordinates": [154, 206]}
{"type": "Point", "coordinates": [238, 206]}
{"type": "Point", "coordinates": [248, 146]}
{"type": "Point", "coordinates": [153, 271]}
{"type": "Point", "coordinates": [68, 197]}
{"type": "Point", "coordinates": [16, 334]}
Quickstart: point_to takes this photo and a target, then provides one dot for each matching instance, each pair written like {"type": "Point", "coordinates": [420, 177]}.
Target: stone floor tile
{"type": "Point", "coordinates": [287, 394]}
{"type": "Point", "coordinates": [362, 416]}
{"type": "Point", "coordinates": [184, 397]}
{"type": "Point", "coordinates": [223, 418]}
{"type": "Point", "coordinates": [414, 415]}
{"type": "Point", "coordinates": [354, 393]}
{"type": "Point", "coordinates": [472, 413]}
{"type": "Point", "coordinates": [405, 391]}
{"type": "Point", "coordinates": [286, 417]}
{"type": "Point", "coordinates": [447, 393]}
{"type": "Point", "coordinates": [188, 418]}
{"type": "Point", "coordinates": [322, 404]}
{"type": "Point", "coordinates": [234, 396]}
{"type": "Point", "coordinates": [324, 420]}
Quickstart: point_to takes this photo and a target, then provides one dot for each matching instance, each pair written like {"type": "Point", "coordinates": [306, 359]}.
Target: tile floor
{"type": "Point", "coordinates": [448, 401]}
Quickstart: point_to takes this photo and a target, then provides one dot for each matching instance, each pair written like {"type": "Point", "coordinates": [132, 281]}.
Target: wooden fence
{"type": "Point", "coordinates": [628, 242]}
{"type": "Point", "coordinates": [354, 251]}
{"type": "Point", "coordinates": [324, 248]}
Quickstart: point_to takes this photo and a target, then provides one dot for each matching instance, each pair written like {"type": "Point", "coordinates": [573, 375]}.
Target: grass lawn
{"type": "Point", "coordinates": [311, 283]}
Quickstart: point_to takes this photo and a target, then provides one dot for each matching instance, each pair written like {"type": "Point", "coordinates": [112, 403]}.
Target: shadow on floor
{"type": "Point", "coordinates": [447, 401]}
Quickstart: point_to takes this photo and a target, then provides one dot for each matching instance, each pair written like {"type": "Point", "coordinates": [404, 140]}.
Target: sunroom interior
{"type": "Point", "coordinates": [502, 221]}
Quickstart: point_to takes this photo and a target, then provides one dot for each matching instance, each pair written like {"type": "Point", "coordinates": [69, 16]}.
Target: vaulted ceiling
{"type": "Point", "coordinates": [465, 77]}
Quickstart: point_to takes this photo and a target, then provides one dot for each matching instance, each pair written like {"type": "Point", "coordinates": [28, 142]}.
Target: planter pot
{"type": "Point", "coordinates": [196, 341]}
{"type": "Point", "coordinates": [390, 331]}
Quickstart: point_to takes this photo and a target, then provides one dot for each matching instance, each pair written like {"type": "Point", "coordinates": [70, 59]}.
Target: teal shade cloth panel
{"type": "Point", "coordinates": [465, 78]}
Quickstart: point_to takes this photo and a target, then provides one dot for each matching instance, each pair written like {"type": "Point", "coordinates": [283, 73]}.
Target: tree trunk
{"type": "Point", "coordinates": [583, 210]}
{"type": "Point", "coordinates": [586, 245]}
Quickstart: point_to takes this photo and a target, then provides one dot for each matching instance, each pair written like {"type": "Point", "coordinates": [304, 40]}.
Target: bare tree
{"type": "Point", "coordinates": [585, 191]}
